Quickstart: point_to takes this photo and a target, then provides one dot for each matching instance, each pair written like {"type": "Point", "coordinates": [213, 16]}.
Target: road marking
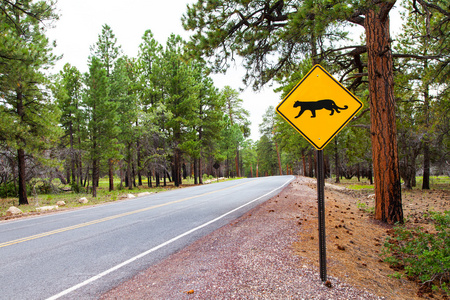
{"type": "Point", "coordinates": [44, 234]}
{"type": "Point", "coordinates": [127, 262]}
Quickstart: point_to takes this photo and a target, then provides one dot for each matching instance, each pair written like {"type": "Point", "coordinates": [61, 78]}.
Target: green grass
{"type": "Point", "coordinates": [436, 182]}
{"type": "Point", "coordinates": [353, 183]}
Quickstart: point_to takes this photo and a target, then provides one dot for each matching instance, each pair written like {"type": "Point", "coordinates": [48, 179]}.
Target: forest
{"type": "Point", "coordinates": [158, 117]}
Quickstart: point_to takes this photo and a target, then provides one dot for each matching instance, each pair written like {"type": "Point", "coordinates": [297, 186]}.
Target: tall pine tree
{"type": "Point", "coordinates": [30, 118]}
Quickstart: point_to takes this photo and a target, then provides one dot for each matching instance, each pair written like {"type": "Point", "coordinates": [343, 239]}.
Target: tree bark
{"type": "Point", "coordinates": [95, 177]}
{"type": "Point", "coordinates": [23, 200]}
{"type": "Point", "coordinates": [195, 171]}
{"type": "Point", "coordinates": [279, 159]}
{"type": "Point", "coordinates": [200, 173]}
{"type": "Point", "coordinates": [336, 161]}
{"type": "Point", "coordinates": [388, 202]}
{"type": "Point", "coordinates": [177, 167]}
{"type": "Point", "coordinates": [111, 174]}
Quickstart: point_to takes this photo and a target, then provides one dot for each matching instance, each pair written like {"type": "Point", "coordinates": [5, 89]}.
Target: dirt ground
{"type": "Point", "coordinates": [354, 239]}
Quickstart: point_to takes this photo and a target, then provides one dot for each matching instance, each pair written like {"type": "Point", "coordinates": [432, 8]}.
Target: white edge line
{"type": "Point", "coordinates": [96, 277]}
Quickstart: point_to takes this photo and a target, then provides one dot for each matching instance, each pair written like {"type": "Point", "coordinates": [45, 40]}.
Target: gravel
{"type": "Point", "coordinates": [250, 258]}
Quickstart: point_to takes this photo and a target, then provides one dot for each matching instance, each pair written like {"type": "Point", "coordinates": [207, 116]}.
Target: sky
{"type": "Point", "coordinates": [81, 22]}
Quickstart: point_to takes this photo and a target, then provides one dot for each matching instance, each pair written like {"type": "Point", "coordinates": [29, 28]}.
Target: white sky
{"type": "Point", "coordinates": [81, 22]}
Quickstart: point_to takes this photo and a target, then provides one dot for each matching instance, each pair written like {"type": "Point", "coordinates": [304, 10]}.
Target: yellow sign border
{"type": "Point", "coordinates": [340, 128]}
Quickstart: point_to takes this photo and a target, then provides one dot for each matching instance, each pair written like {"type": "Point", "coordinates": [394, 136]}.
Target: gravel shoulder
{"type": "Point", "coordinates": [254, 257]}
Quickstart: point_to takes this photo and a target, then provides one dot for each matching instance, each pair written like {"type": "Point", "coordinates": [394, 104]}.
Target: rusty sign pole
{"type": "Point", "coordinates": [321, 207]}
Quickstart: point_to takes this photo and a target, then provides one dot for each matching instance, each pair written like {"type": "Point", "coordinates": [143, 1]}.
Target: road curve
{"type": "Point", "coordinates": [81, 254]}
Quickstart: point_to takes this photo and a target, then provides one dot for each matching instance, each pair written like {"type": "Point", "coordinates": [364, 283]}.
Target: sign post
{"type": "Point", "coordinates": [321, 214]}
{"type": "Point", "coordinates": [318, 107]}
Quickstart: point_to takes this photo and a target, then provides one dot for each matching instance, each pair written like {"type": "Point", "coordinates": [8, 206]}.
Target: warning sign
{"type": "Point", "coordinates": [318, 107]}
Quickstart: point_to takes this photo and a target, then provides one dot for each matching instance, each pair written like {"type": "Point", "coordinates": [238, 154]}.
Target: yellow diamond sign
{"type": "Point", "coordinates": [318, 107]}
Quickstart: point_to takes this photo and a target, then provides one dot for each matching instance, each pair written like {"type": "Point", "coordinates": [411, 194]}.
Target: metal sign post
{"type": "Point", "coordinates": [321, 213]}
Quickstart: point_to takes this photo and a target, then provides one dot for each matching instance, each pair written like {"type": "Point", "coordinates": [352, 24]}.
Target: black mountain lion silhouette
{"type": "Point", "coordinates": [316, 105]}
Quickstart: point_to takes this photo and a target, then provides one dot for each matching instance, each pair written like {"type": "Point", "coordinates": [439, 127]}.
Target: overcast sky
{"type": "Point", "coordinates": [81, 22]}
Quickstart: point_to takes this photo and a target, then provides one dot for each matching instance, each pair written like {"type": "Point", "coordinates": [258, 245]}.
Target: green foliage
{"type": "Point", "coordinates": [423, 255]}
{"type": "Point", "coordinates": [364, 207]}
{"type": "Point", "coordinates": [8, 190]}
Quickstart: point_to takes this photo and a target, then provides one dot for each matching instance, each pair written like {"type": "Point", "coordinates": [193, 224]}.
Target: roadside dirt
{"type": "Point", "coordinates": [253, 257]}
{"type": "Point", "coordinates": [242, 261]}
{"type": "Point", "coordinates": [354, 238]}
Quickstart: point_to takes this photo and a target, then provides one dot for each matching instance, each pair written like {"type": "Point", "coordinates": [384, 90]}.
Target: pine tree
{"type": "Point", "coordinates": [107, 50]}
{"type": "Point", "coordinates": [102, 120]}
{"type": "Point", "coordinates": [238, 116]}
{"type": "Point", "coordinates": [29, 116]}
{"type": "Point", "coordinates": [175, 80]}
{"type": "Point", "coordinates": [68, 95]}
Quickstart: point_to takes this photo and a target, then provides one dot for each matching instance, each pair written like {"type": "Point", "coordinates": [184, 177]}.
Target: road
{"type": "Point", "coordinates": [82, 253]}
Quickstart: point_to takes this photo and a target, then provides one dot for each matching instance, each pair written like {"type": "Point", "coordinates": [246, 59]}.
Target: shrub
{"type": "Point", "coordinates": [8, 189]}
{"type": "Point", "coordinates": [76, 188]}
{"type": "Point", "coordinates": [423, 255]}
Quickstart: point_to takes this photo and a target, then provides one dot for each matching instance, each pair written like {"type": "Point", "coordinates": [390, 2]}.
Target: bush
{"type": "Point", "coordinates": [424, 256]}
{"type": "Point", "coordinates": [76, 188]}
{"type": "Point", "coordinates": [8, 189]}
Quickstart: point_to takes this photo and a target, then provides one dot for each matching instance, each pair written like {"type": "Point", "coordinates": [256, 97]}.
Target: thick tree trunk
{"type": "Point", "coordinates": [388, 201]}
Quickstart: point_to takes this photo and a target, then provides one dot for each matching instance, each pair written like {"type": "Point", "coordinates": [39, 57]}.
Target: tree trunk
{"type": "Point", "coordinates": [236, 159]}
{"type": "Point", "coordinates": [426, 141]}
{"type": "Point", "coordinates": [388, 201]}
{"type": "Point", "coordinates": [23, 200]}
{"type": "Point", "coordinates": [111, 174]}
{"type": "Point", "coordinates": [304, 162]}
{"type": "Point", "coordinates": [95, 176]}
{"type": "Point", "coordinates": [139, 165]}
{"type": "Point", "coordinates": [177, 167]}
{"type": "Point", "coordinates": [200, 174]}
{"type": "Point", "coordinates": [336, 160]}
{"type": "Point", "coordinates": [310, 165]}
{"type": "Point", "coordinates": [195, 171]}
{"type": "Point", "coordinates": [157, 177]}
{"type": "Point", "coordinates": [149, 179]}
{"type": "Point", "coordinates": [21, 152]}
{"type": "Point", "coordinates": [72, 155]}
{"type": "Point", "coordinates": [426, 166]}
{"type": "Point", "coordinates": [279, 159]}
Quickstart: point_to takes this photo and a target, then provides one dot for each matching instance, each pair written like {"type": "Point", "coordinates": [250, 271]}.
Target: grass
{"type": "Point", "coordinates": [436, 182]}
{"type": "Point", "coordinates": [71, 198]}
{"type": "Point", "coordinates": [353, 183]}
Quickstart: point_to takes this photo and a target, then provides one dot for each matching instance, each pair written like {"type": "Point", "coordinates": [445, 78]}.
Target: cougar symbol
{"type": "Point", "coordinates": [316, 105]}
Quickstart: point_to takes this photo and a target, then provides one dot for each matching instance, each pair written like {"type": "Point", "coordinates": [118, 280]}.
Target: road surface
{"type": "Point", "coordinates": [82, 253]}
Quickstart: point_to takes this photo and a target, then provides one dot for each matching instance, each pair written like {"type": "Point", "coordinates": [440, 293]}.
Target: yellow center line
{"type": "Point", "coordinates": [44, 234]}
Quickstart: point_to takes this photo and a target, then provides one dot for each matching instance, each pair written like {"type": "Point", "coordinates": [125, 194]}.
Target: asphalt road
{"type": "Point", "coordinates": [82, 253]}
